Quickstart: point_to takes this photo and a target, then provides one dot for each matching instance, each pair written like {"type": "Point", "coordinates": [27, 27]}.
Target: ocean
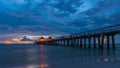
{"type": "Point", "coordinates": [44, 56]}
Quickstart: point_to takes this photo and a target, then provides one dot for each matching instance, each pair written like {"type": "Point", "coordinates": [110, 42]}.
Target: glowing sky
{"type": "Point", "coordinates": [19, 18]}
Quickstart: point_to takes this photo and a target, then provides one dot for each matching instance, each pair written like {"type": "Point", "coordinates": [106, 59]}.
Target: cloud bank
{"type": "Point", "coordinates": [55, 17]}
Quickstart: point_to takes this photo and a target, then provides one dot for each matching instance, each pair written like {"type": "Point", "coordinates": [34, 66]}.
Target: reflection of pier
{"type": "Point", "coordinates": [98, 56]}
{"type": "Point", "coordinates": [85, 39]}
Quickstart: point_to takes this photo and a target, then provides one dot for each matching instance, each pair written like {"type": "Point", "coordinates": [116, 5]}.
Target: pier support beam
{"type": "Point", "coordinates": [67, 43]}
{"type": "Point", "coordinates": [102, 42]}
{"type": "Point", "coordinates": [64, 42]}
{"type": "Point", "coordinates": [89, 42]}
{"type": "Point", "coordinates": [84, 42]}
{"type": "Point", "coordinates": [99, 42]}
{"type": "Point", "coordinates": [77, 41]}
{"type": "Point", "coordinates": [60, 42]}
{"type": "Point", "coordinates": [81, 43]}
{"type": "Point", "coordinates": [113, 41]}
{"type": "Point", "coordinates": [55, 43]}
{"type": "Point", "coordinates": [108, 42]}
{"type": "Point", "coordinates": [73, 42]}
{"type": "Point", "coordinates": [94, 40]}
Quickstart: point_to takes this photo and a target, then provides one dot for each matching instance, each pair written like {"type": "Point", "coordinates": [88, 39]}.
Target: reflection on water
{"type": "Point", "coordinates": [42, 57]}
{"type": "Point", "coordinates": [33, 56]}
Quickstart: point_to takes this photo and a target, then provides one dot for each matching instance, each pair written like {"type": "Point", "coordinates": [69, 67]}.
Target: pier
{"type": "Point", "coordinates": [98, 38]}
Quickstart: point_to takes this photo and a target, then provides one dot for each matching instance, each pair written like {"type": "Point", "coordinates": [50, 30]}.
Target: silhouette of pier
{"type": "Point", "coordinates": [101, 38]}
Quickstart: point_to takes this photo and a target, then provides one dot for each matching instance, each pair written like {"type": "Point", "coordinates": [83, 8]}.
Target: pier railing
{"type": "Point", "coordinates": [106, 30]}
{"type": "Point", "coordinates": [83, 39]}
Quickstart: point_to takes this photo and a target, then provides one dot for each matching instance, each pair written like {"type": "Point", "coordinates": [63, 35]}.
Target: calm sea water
{"type": "Point", "coordinates": [33, 56]}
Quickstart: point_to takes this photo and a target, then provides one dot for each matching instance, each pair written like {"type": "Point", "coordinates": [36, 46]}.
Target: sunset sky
{"type": "Point", "coordinates": [30, 19]}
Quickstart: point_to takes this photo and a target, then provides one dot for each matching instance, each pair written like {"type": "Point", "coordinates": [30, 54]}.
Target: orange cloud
{"type": "Point", "coordinates": [8, 42]}
{"type": "Point", "coordinates": [16, 41]}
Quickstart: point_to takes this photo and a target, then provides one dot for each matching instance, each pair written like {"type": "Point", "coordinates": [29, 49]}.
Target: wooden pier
{"type": "Point", "coordinates": [96, 38]}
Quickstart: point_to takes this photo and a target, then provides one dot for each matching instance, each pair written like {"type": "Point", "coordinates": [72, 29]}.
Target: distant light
{"type": "Point", "coordinates": [43, 65]}
{"type": "Point", "coordinates": [42, 39]}
{"type": "Point", "coordinates": [49, 38]}
{"type": "Point", "coordinates": [106, 60]}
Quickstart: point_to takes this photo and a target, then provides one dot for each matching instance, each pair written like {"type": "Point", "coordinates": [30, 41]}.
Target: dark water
{"type": "Point", "coordinates": [33, 56]}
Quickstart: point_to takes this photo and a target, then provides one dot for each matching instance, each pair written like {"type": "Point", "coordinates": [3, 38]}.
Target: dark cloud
{"type": "Point", "coordinates": [25, 38]}
{"type": "Point", "coordinates": [115, 17]}
{"type": "Point", "coordinates": [35, 17]}
{"type": "Point", "coordinates": [67, 8]}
